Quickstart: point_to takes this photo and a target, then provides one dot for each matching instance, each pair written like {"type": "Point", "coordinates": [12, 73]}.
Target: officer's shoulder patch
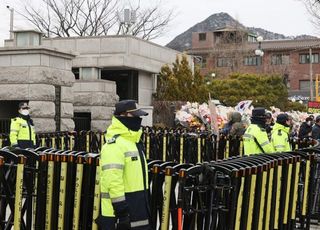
{"type": "Point", "coordinates": [113, 139]}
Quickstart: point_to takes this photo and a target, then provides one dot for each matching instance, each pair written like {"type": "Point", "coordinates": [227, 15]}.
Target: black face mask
{"type": "Point", "coordinates": [132, 123]}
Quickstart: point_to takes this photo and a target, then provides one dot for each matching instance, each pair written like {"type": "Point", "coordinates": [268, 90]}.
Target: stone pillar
{"type": "Point", "coordinates": [32, 74]}
{"type": "Point", "coordinates": [98, 98]}
{"type": "Point", "coordinates": [66, 108]}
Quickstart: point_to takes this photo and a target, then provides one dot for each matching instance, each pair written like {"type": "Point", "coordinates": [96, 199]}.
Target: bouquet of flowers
{"type": "Point", "coordinates": [194, 115]}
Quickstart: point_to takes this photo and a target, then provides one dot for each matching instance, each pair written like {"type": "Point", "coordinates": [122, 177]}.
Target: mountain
{"type": "Point", "coordinates": [183, 41]}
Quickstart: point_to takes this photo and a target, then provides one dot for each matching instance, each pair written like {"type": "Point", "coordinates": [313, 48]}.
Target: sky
{"type": "Point", "coordinates": [288, 17]}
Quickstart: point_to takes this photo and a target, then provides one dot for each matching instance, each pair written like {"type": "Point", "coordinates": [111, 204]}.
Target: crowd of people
{"type": "Point", "coordinates": [265, 134]}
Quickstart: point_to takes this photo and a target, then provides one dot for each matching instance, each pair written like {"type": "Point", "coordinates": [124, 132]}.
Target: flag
{"type": "Point", "coordinates": [213, 116]}
{"type": "Point", "coordinates": [242, 106]}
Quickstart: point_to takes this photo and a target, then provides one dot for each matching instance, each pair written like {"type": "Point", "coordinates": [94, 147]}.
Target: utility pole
{"type": "Point", "coordinates": [311, 73]}
{"type": "Point", "coordinates": [11, 21]}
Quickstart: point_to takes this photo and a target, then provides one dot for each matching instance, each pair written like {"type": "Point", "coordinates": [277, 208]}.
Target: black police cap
{"type": "Point", "coordinates": [23, 105]}
{"type": "Point", "coordinates": [129, 106]}
{"type": "Point", "coordinates": [259, 112]}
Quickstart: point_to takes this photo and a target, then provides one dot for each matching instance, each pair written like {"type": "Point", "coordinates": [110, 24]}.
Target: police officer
{"type": "Point", "coordinates": [22, 132]}
{"type": "Point", "coordinates": [124, 175]}
{"type": "Point", "coordinates": [280, 133]}
{"type": "Point", "coordinates": [255, 139]}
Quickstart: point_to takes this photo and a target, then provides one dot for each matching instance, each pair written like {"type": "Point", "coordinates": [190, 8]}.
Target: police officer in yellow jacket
{"type": "Point", "coordinates": [255, 139]}
{"type": "Point", "coordinates": [280, 133]}
{"type": "Point", "coordinates": [22, 132]}
{"type": "Point", "coordinates": [124, 172]}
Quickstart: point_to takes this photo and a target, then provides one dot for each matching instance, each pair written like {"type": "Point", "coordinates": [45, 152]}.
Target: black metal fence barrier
{"type": "Point", "coordinates": [197, 181]}
{"type": "Point", "coordinates": [59, 189]}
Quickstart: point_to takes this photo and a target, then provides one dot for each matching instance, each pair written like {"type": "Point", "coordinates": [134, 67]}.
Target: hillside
{"type": "Point", "coordinates": [183, 41]}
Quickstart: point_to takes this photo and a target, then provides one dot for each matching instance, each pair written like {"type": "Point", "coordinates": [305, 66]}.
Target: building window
{"type": "Point", "coordinates": [75, 71]}
{"type": "Point", "coordinates": [305, 85]}
{"type": "Point", "coordinates": [202, 36]}
{"type": "Point", "coordinates": [305, 58]}
{"type": "Point", "coordinates": [224, 62]}
{"type": "Point", "coordinates": [252, 60]}
{"type": "Point", "coordinates": [251, 38]}
{"type": "Point", "coordinates": [204, 62]}
{"type": "Point", "coordinates": [280, 59]}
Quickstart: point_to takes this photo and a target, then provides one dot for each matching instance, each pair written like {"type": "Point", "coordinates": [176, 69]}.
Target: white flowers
{"type": "Point", "coordinates": [198, 115]}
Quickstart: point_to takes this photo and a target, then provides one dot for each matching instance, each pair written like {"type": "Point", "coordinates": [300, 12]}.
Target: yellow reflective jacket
{"type": "Point", "coordinates": [280, 138]}
{"type": "Point", "coordinates": [255, 140]}
{"type": "Point", "coordinates": [124, 174]}
{"type": "Point", "coordinates": [22, 133]}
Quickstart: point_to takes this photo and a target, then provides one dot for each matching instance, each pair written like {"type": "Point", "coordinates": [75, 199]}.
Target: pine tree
{"type": "Point", "coordinates": [180, 84]}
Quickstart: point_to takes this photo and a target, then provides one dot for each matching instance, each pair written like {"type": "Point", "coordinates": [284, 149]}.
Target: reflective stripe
{"type": "Point", "coordinates": [112, 166]}
{"type": "Point", "coordinates": [105, 195]}
{"type": "Point", "coordinates": [139, 223]}
{"type": "Point", "coordinates": [118, 199]}
{"type": "Point", "coordinates": [279, 146]}
{"type": "Point", "coordinates": [265, 143]}
{"type": "Point", "coordinates": [131, 154]}
{"type": "Point", "coordinates": [13, 130]}
{"type": "Point", "coordinates": [248, 135]}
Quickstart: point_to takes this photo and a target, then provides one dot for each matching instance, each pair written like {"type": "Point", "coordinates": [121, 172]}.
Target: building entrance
{"type": "Point", "coordinates": [8, 110]}
{"type": "Point", "coordinates": [126, 80]}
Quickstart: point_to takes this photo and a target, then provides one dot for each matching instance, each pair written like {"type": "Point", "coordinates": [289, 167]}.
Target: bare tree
{"type": "Point", "coordinates": [313, 7]}
{"type": "Point", "coordinates": [231, 47]}
{"type": "Point", "coordinates": [65, 18]}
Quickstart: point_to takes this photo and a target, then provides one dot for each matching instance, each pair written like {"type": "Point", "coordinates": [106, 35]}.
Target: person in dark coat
{"type": "Point", "coordinates": [316, 129]}
{"type": "Point", "coordinates": [305, 132]}
{"type": "Point", "coordinates": [228, 128]}
{"type": "Point", "coordinates": [234, 129]}
{"type": "Point", "coordinates": [305, 129]}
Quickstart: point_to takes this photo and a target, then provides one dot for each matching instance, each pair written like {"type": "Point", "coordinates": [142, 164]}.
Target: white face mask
{"type": "Point", "coordinates": [25, 112]}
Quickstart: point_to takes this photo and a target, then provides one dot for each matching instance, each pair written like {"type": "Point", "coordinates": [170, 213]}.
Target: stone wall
{"type": "Point", "coordinates": [97, 97]}
{"type": "Point", "coordinates": [32, 74]}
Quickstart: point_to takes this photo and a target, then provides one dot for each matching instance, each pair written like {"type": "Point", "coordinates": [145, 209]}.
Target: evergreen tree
{"type": "Point", "coordinates": [180, 84]}
{"type": "Point", "coordinates": [263, 90]}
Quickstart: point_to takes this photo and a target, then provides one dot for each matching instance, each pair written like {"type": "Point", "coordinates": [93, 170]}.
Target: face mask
{"type": "Point", "coordinates": [25, 112]}
{"type": "Point", "coordinates": [132, 123]}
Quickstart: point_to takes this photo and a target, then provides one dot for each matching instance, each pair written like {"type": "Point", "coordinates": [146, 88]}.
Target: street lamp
{"type": "Point", "coordinates": [11, 20]}
{"type": "Point", "coordinates": [259, 51]}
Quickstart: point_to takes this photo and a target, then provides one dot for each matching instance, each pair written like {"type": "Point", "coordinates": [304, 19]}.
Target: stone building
{"type": "Point", "coordinates": [78, 79]}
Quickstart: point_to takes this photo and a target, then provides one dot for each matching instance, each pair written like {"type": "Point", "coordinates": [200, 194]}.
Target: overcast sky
{"type": "Point", "coordinates": [288, 17]}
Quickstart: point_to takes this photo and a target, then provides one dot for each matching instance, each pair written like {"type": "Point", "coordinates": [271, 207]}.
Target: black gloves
{"type": "Point", "coordinates": [121, 211]}
{"type": "Point", "coordinates": [123, 223]}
